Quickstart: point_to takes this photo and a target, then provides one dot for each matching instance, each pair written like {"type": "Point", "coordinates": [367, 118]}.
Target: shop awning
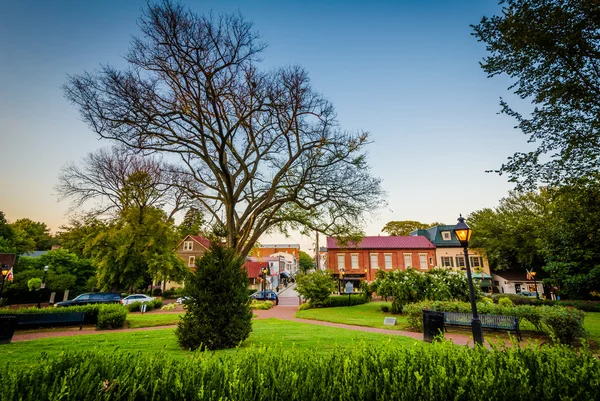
{"type": "Point", "coordinates": [285, 274]}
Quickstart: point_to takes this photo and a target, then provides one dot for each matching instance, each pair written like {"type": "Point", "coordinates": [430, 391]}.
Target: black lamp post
{"type": "Point", "coordinates": [43, 286]}
{"type": "Point", "coordinates": [5, 271]}
{"type": "Point", "coordinates": [463, 233]}
{"type": "Point", "coordinates": [265, 271]}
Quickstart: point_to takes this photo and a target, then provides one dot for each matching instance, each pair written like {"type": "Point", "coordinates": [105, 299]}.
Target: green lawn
{"type": "Point", "coordinates": [369, 315]}
{"type": "Point", "coordinates": [136, 320]}
{"type": "Point", "coordinates": [592, 325]}
{"type": "Point", "coordinates": [267, 332]}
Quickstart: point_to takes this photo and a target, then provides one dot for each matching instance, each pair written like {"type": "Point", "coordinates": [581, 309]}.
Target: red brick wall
{"type": "Point", "coordinates": [364, 260]}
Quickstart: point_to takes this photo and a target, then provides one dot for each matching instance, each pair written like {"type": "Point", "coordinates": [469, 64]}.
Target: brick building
{"type": "Point", "coordinates": [361, 261]}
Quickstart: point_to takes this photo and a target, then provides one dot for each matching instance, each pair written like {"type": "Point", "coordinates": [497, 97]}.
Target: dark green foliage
{"type": "Point", "coordinates": [316, 287]}
{"type": "Point", "coordinates": [306, 262]}
{"type": "Point", "coordinates": [218, 313]}
{"type": "Point", "coordinates": [563, 324]}
{"type": "Point", "coordinates": [439, 371]}
{"type": "Point", "coordinates": [587, 306]}
{"type": "Point", "coordinates": [342, 300]}
{"type": "Point", "coordinates": [385, 309]}
{"type": "Point", "coordinates": [172, 294]}
{"type": "Point", "coordinates": [551, 52]}
{"type": "Point", "coordinates": [111, 317]}
{"type": "Point", "coordinates": [157, 303]}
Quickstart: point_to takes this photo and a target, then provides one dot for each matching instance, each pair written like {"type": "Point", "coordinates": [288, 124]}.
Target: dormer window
{"type": "Point", "coordinates": [446, 235]}
{"type": "Point", "coordinates": [188, 245]}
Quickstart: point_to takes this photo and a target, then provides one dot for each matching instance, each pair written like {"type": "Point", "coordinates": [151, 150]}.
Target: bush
{"type": "Point", "coordinates": [111, 317]}
{"type": "Point", "coordinates": [261, 305]}
{"type": "Point", "coordinates": [171, 306]}
{"type": "Point", "coordinates": [562, 324]}
{"type": "Point", "coordinates": [173, 293]}
{"type": "Point", "coordinates": [505, 303]}
{"type": "Point", "coordinates": [315, 287]}
{"type": "Point", "coordinates": [157, 303]}
{"type": "Point", "coordinates": [342, 300]}
{"type": "Point", "coordinates": [218, 312]}
{"type": "Point", "coordinates": [588, 306]}
{"type": "Point", "coordinates": [157, 292]}
{"type": "Point", "coordinates": [134, 306]}
{"type": "Point", "coordinates": [385, 309]}
{"type": "Point", "coordinates": [410, 372]}
{"type": "Point", "coordinates": [91, 311]}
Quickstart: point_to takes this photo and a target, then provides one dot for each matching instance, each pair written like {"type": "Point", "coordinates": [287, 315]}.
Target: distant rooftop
{"type": "Point", "coordinates": [384, 242]}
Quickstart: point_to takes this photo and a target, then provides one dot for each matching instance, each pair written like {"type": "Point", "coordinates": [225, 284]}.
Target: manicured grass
{"type": "Point", "coordinates": [137, 320]}
{"type": "Point", "coordinates": [591, 322]}
{"type": "Point", "coordinates": [265, 333]}
{"type": "Point", "coordinates": [368, 315]}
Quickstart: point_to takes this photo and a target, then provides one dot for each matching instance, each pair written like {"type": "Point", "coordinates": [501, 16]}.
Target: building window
{"type": "Point", "coordinates": [460, 262]}
{"type": "Point", "coordinates": [388, 260]}
{"type": "Point", "coordinates": [374, 261]}
{"type": "Point", "coordinates": [497, 283]}
{"type": "Point", "coordinates": [192, 261]}
{"type": "Point", "coordinates": [475, 262]}
{"type": "Point", "coordinates": [188, 245]}
{"type": "Point", "coordinates": [446, 236]}
{"type": "Point", "coordinates": [407, 260]}
{"type": "Point", "coordinates": [341, 261]}
{"type": "Point", "coordinates": [423, 260]}
{"type": "Point", "coordinates": [354, 259]}
{"type": "Point", "coordinates": [447, 261]}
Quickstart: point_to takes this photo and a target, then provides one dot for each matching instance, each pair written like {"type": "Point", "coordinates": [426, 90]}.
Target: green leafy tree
{"type": "Point", "coordinates": [34, 284]}
{"type": "Point", "coordinates": [509, 235]}
{"type": "Point", "coordinates": [260, 150]}
{"type": "Point", "coordinates": [572, 238]}
{"type": "Point", "coordinates": [193, 223]}
{"type": "Point", "coordinates": [218, 310]}
{"type": "Point", "coordinates": [405, 227]}
{"type": "Point", "coordinates": [550, 49]}
{"type": "Point", "coordinates": [37, 232]}
{"type": "Point", "coordinates": [305, 262]}
{"type": "Point", "coordinates": [316, 287]}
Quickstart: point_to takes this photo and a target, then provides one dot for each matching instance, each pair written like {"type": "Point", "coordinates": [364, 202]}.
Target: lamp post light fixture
{"type": "Point", "coordinates": [463, 233]}
{"type": "Point", "coordinates": [265, 271]}
{"type": "Point", "coordinates": [43, 286]}
{"type": "Point", "coordinates": [340, 280]}
{"type": "Point", "coordinates": [5, 271]}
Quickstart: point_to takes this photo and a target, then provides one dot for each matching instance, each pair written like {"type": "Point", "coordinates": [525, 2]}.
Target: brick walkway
{"type": "Point", "coordinates": [279, 312]}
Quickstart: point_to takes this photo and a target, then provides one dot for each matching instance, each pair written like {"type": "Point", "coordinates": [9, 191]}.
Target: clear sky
{"type": "Point", "coordinates": [407, 71]}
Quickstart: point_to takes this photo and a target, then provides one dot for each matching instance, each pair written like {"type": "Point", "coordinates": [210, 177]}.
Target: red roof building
{"type": "Point", "coordinates": [360, 261]}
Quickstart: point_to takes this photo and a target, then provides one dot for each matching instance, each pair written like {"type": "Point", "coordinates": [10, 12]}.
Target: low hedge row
{"type": "Point", "coordinates": [137, 306]}
{"type": "Point", "coordinates": [563, 324]}
{"type": "Point", "coordinates": [342, 300]}
{"type": "Point", "coordinates": [439, 371]}
{"type": "Point", "coordinates": [587, 306]}
{"type": "Point", "coordinates": [113, 313]}
{"type": "Point", "coordinates": [261, 305]}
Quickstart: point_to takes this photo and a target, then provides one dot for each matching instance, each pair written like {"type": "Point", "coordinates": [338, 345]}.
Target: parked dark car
{"type": "Point", "coordinates": [266, 296]}
{"type": "Point", "coordinates": [92, 298]}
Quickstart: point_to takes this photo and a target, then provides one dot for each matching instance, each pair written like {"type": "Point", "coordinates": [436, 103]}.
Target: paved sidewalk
{"type": "Point", "coordinates": [279, 312]}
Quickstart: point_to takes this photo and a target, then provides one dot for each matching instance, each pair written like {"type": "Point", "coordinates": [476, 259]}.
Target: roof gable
{"type": "Point", "coordinates": [435, 235]}
{"type": "Point", "coordinates": [385, 242]}
{"type": "Point", "coordinates": [198, 239]}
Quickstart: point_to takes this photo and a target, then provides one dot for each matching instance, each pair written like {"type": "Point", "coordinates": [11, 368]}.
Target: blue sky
{"type": "Point", "coordinates": [406, 71]}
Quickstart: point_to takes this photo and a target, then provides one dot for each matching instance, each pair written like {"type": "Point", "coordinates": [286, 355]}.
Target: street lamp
{"type": "Point", "coordinates": [43, 286]}
{"type": "Point", "coordinates": [5, 271]}
{"type": "Point", "coordinates": [463, 233]}
{"type": "Point", "coordinates": [265, 271]}
{"type": "Point", "coordinates": [340, 280]}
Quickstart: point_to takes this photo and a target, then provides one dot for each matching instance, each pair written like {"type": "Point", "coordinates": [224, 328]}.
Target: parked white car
{"type": "Point", "coordinates": [181, 300]}
{"type": "Point", "coordinates": [136, 298]}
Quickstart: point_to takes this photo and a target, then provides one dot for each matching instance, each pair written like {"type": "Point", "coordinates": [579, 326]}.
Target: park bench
{"type": "Point", "coordinates": [494, 322]}
{"type": "Point", "coordinates": [62, 319]}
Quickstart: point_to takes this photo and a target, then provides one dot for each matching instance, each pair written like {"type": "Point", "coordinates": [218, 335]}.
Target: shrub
{"type": "Point", "coordinates": [157, 292]}
{"type": "Point", "coordinates": [91, 311]}
{"type": "Point", "coordinates": [134, 307]}
{"type": "Point", "coordinates": [316, 287]}
{"type": "Point", "coordinates": [562, 324]}
{"type": "Point", "coordinates": [385, 309]}
{"type": "Point", "coordinates": [261, 305]}
{"type": "Point", "coordinates": [342, 300]}
{"type": "Point", "coordinates": [170, 306]}
{"type": "Point", "coordinates": [416, 372]}
{"type": "Point", "coordinates": [173, 293]}
{"type": "Point", "coordinates": [505, 303]}
{"type": "Point", "coordinates": [111, 317]}
{"type": "Point", "coordinates": [157, 303]}
{"type": "Point", "coordinates": [218, 313]}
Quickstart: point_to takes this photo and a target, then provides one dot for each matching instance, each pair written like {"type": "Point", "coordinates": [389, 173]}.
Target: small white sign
{"type": "Point", "coordinates": [389, 321]}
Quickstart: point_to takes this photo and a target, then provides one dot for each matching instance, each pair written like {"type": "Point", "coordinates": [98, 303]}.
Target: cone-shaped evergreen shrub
{"type": "Point", "coordinates": [218, 309]}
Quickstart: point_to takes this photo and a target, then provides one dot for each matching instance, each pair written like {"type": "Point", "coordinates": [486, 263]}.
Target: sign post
{"type": "Point", "coordinates": [349, 290]}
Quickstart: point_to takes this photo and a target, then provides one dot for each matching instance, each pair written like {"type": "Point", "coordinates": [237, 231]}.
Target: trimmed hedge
{"type": "Point", "coordinates": [342, 300]}
{"type": "Point", "coordinates": [438, 371]}
{"type": "Point", "coordinates": [261, 305]}
{"type": "Point", "coordinates": [92, 312]}
{"type": "Point", "coordinates": [588, 306]}
{"type": "Point", "coordinates": [111, 317]}
{"type": "Point", "coordinates": [562, 324]}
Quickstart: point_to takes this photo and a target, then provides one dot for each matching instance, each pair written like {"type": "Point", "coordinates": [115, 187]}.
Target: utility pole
{"type": "Point", "coordinates": [317, 252]}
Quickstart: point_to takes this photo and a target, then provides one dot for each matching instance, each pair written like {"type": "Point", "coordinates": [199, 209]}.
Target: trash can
{"type": "Point", "coordinates": [433, 324]}
{"type": "Point", "coordinates": [8, 323]}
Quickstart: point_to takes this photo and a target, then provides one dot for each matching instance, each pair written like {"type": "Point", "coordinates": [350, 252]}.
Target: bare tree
{"type": "Point", "coordinates": [106, 178]}
{"type": "Point", "coordinates": [264, 147]}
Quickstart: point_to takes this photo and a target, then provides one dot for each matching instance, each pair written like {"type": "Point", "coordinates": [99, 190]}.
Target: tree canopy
{"type": "Point", "coordinates": [551, 50]}
{"type": "Point", "coordinates": [306, 262]}
{"type": "Point", "coordinates": [405, 227]}
{"type": "Point", "coordinates": [260, 150]}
